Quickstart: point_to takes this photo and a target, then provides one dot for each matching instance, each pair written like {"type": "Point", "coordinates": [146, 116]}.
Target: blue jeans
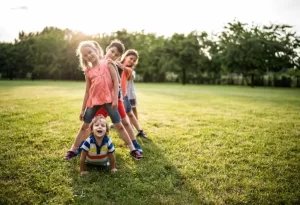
{"type": "Point", "coordinates": [127, 104]}
{"type": "Point", "coordinates": [91, 111]}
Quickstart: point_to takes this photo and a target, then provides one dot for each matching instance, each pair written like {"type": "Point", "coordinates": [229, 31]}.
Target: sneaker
{"type": "Point", "coordinates": [137, 146]}
{"type": "Point", "coordinates": [136, 155]}
{"type": "Point", "coordinates": [70, 155]}
{"type": "Point", "coordinates": [142, 134]}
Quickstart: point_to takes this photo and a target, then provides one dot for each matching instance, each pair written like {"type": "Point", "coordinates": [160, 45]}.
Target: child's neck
{"type": "Point", "coordinates": [99, 140]}
{"type": "Point", "coordinates": [96, 63]}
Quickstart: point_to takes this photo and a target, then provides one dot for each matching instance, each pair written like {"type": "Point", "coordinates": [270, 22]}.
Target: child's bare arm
{"type": "Point", "coordinates": [112, 161]}
{"type": "Point", "coordinates": [115, 83]}
{"type": "Point", "coordinates": [82, 162]}
{"type": "Point", "coordinates": [128, 72]}
{"type": "Point", "coordinates": [85, 98]}
{"type": "Point", "coordinates": [124, 68]}
{"type": "Point", "coordinates": [116, 69]}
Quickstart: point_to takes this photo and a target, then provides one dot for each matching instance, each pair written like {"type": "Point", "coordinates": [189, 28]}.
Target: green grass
{"type": "Point", "coordinates": [210, 145]}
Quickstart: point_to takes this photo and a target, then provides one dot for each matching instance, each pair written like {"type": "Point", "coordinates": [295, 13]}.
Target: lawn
{"type": "Point", "coordinates": [209, 145]}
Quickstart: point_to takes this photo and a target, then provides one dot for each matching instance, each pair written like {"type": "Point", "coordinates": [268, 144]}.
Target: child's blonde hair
{"type": "Point", "coordinates": [129, 53]}
{"type": "Point", "coordinates": [92, 44]}
{"type": "Point", "coordinates": [96, 119]}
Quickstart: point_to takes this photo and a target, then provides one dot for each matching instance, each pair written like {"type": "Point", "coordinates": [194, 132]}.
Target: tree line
{"type": "Point", "coordinates": [241, 54]}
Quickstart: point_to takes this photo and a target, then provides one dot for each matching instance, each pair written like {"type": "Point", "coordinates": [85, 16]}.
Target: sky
{"type": "Point", "coordinates": [163, 17]}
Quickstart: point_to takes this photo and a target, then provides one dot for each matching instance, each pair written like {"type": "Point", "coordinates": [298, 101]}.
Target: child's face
{"type": "Point", "coordinates": [89, 54]}
{"type": "Point", "coordinates": [113, 53]}
{"type": "Point", "coordinates": [130, 60]}
{"type": "Point", "coordinates": [99, 128]}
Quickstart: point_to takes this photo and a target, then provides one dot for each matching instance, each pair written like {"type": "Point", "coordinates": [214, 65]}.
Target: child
{"type": "Point", "coordinates": [113, 53]}
{"type": "Point", "coordinates": [131, 94]}
{"type": "Point", "coordinates": [128, 61]}
{"type": "Point", "coordinates": [102, 89]}
{"type": "Point", "coordinates": [98, 149]}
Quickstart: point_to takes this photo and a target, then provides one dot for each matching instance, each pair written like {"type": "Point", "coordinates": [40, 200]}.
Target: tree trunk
{"type": "Point", "coordinates": [274, 80]}
{"type": "Point", "coordinates": [252, 80]}
{"type": "Point", "coordinates": [245, 77]}
{"type": "Point", "coordinates": [10, 73]}
{"type": "Point", "coordinates": [183, 76]}
{"type": "Point", "coordinates": [32, 76]}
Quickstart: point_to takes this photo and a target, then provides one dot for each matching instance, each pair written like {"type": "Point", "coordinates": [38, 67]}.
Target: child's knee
{"type": "Point", "coordinates": [125, 123]}
{"type": "Point", "coordinates": [84, 127]}
{"type": "Point", "coordinates": [130, 114]}
{"type": "Point", "coordinates": [119, 126]}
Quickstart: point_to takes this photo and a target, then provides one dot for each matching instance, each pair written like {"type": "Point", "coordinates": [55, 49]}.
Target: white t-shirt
{"type": "Point", "coordinates": [130, 87]}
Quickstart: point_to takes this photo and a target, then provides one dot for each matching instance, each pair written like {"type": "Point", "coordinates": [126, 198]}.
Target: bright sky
{"type": "Point", "coordinates": [163, 17]}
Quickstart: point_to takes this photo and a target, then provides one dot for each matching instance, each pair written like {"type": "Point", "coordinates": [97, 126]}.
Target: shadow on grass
{"type": "Point", "coordinates": [153, 180]}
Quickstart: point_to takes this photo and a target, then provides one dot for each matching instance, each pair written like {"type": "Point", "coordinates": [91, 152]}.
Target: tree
{"type": "Point", "coordinates": [255, 51]}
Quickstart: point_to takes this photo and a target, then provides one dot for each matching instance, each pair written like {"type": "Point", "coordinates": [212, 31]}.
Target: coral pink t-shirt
{"type": "Point", "coordinates": [102, 88]}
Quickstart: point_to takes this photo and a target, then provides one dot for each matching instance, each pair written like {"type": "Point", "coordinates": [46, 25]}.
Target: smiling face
{"type": "Point", "coordinates": [130, 60]}
{"type": "Point", "coordinates": [113, 53]}
{"type": "Point", "coordinates": [89, 54]}
{"type": "Point", "coordinates": [99, 127]}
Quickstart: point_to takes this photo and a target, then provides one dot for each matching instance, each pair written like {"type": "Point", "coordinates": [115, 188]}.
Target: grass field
{"type": "Point", "coordinates": [210, 145]}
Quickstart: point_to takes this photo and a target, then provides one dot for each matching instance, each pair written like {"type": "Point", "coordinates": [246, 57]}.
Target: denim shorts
{"type": "Point", "coordinates": [121, 110]}
{"type": "Point", "coordinates": [90, 113]}
{"type": "Point", "coordinates": [127, 104]}
{"type": "Point", "coordinates": [133, 103]}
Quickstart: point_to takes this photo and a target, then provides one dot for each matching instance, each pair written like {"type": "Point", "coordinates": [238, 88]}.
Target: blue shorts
{"type": "Point", "coordinates": [127, 104]}
{"type": "Point", "coordinates": [90, 113]}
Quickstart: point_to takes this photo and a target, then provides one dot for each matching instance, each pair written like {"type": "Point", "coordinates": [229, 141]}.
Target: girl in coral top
{"type": "Point", "coordinates": [101, 91]}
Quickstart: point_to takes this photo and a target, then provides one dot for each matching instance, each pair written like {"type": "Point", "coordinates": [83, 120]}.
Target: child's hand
{"type": "Point", "coordinates": [84, 172]}
{"type": "Point", "coordinates": [81, 115]}
{"type": "Point", "coordinates": [114, 104]}
{"type": "Point", "coordinates": [110, 61]}
{"type": "Point", "coordinates": [114, 170]}
{"type": "Point", "coordinates": [120, 65]}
